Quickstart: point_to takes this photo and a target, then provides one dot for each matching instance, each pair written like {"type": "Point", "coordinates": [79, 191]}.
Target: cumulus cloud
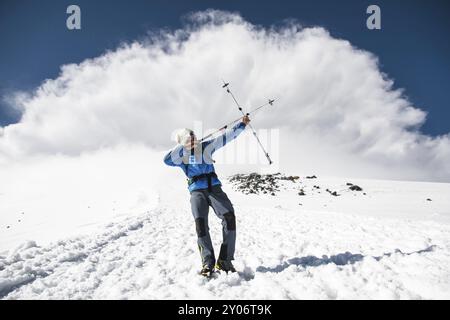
{"type": "Point", "coordinates": [337, 112]}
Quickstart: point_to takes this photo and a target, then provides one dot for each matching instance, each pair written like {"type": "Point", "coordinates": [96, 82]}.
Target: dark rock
{"type": "Point", "coordinates": [333, 193]}
{"type": "Point", "coordinates": [290, 178]}
{"type": "Point", "coordinates": [355, 188]}
{"type": "Point", "coordinates": [301, 193]}
{"type": "Point", "coordinates": [311, 177]}
{"type": "Point", "coordinates": [349, 184]}
{"type": "Point", "coordinates": [255, 183]}
{"type": "Point", "coordinates": [428, 199]}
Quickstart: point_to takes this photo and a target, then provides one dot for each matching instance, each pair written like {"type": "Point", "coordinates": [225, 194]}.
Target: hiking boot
{"type": "Point", "coordinates": [206, 271]}
{"type": "Point", "coordinates": [225, 265]}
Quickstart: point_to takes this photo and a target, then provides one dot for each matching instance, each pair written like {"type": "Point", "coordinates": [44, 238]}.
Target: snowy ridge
{"type": "Point", "coordinates": [284, 251]}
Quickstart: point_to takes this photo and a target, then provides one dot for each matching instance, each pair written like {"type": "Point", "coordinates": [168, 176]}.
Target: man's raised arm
{"type": "Point", "coordinates": [229, 135]}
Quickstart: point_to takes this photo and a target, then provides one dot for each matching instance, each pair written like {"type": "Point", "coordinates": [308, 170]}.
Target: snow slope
{"type": "Point", "coordinates": [48, 198]}
{"type": "Point", "coordinates": [389, 243]}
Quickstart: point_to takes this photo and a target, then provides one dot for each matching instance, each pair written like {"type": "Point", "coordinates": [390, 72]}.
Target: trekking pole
{"type": "Point", "coordinates": [236, 120]}
{"type": "Point", "coordinates": [226, 86]}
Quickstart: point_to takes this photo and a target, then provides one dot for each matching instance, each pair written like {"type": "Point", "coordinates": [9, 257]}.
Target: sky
{"type": "Point", "coordinates": [350, 101]}
{"type": "Point", "coordinates": [412, 46]}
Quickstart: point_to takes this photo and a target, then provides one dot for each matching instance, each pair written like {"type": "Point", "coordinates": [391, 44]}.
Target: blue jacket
{"type": "Point", "coordinates": [201, 162]}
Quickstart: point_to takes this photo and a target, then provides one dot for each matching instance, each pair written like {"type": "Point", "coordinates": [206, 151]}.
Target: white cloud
{"type": "Point", "coordinates": [337, 112]}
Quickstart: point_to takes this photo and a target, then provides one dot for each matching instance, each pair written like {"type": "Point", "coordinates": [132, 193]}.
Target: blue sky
{"type": "Point", "coordinates": [413, 44]}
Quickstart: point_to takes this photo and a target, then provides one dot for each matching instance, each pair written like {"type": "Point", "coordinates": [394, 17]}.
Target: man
{"type": "Point", "coordinates": [195, 159]}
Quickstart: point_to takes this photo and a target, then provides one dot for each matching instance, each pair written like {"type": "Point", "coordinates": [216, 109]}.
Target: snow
{"type": "Point", "coordinates": [44, 199]}
{"type": "Point", "coordinates": [389, 243]}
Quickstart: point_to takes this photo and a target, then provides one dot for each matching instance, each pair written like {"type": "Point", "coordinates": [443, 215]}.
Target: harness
{"type": "Point", "coordinates": [207, 176]}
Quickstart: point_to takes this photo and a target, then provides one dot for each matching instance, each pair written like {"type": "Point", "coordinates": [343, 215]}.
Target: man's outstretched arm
{"type": "Point", "coordinates": [229, 135]}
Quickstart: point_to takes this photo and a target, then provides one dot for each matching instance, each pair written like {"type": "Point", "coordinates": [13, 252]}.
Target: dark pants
{"type": "Point", "coordinates": [201, 200]}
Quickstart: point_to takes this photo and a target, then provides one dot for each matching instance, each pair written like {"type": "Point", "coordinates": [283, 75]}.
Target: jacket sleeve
{"type": "Point", "coordinates": [226, 137]}
{"type": "Point", "coordinates": [174, 157]}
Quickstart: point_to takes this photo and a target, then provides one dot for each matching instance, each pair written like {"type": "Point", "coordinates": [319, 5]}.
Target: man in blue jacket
{"type": "Point", "coordinates": [195, 159]}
